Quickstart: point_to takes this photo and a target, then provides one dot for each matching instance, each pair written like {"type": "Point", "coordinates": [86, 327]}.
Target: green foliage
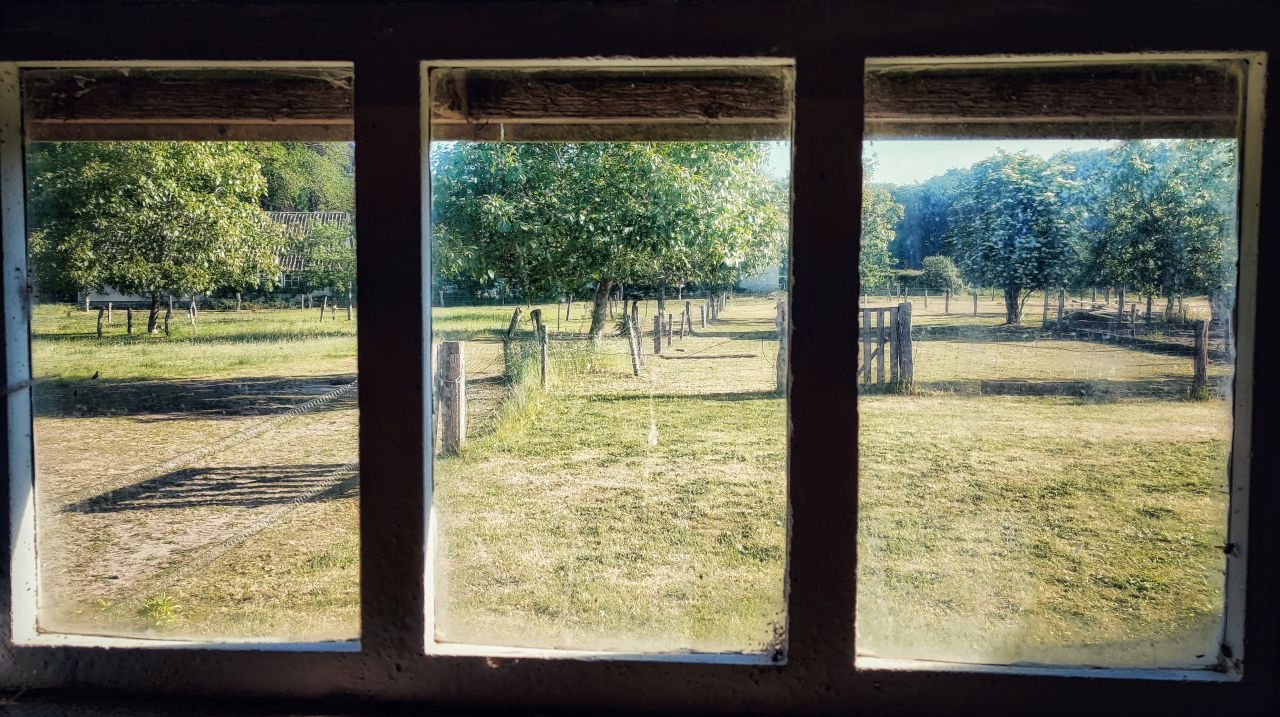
{"type": "Point", "coordinates": [149, 217]}
{"type": "Point", "coordinates": [926, 217]}
{"type": "Point", "coordinates": [328, 258]}
{"type": "Point", "coordinates": [941, 272]}
{"type": "Point", "coordinates": [301, 177]}
{"type": "Point", "coordinates": [1163, 217]}
{"type": "Point", "coordinates": [554, 218]}
{"type": "Point", "coordinates": [880, 214]}
{"type": "Point", "coordinates": [1010, 229]}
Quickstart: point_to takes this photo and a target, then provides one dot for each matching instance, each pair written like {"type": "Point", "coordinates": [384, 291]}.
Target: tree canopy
{"type": "Point", "coordinates": [149, 218]}
{"type": "Point", "coordinates": [1010, 230]}
{"type": "Point", "coordinates": [556, 218]}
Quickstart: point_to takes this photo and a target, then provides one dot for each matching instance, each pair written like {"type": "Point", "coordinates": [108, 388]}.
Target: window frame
{"type": "Point", "coordinates": [829, 45]}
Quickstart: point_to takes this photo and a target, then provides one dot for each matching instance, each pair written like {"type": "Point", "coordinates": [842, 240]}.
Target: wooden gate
{"type": "Point", "coordinates": [886, 332]}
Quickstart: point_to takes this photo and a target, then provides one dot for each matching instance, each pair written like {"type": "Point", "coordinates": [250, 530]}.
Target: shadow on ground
{"type": "Point", "coordinates": [185, 398]}
{"type": "Point", "coordinates": [226, 486]}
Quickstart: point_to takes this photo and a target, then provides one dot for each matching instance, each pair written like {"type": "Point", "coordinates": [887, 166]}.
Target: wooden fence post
{"type": "Point", "coordinates": [902, 346]}
{"type": "Point", "coordinates": [780, 320]}
{"type": "Point", "coordinates": [880, 348]}
{"type": "Point", "coordinates": [702, 316]}
{"type": "Point", "coordinates": [1062, 304]}
{"type": "Point", "coordinates": [926, 297]}
{"type": "Point", "coordinates": [1133, 319]}
{"type": "Point", "coordinates": [542, 339]}
{"type": "Point", "coordinates": [324, 304]}
{"type": "Point", "coordinates": [657, 334]}
{"type": "Point", "coordinates": [892, 342]}
{"type": "Point", "coordinates": [682, 323]}
{"type": "Point", "coordinates": [1200, 374]}
{"type": "Point", "coordinates": [568, 307]}
{"type": "Point", "coordinates": [101, 309]}
{"type": "Point", "coordinates": [670, 318]}
{"type": "Point", "coordinates": [535, 315]}
{"type": "Point", "coordinates": [168, 314]}
{"type": "Point", "coordinates": [633, 343]}
{"type": "Point", "coordinates": [688, 316]}
{"type": "Point", "coordinates": [1044, 318]}
{"type": "Point", "coordinates": [946, 306]}
{"type": "Point", "coordinates": [128, 319]}
{"type": "Point", "coordinates": [515, 322]}
{"type": "Point", "coordinates": [108, 312]}
{"type": "Point", "coordinates": [453, 397]}
{"type": "Point", "coordinates": [866, 347]}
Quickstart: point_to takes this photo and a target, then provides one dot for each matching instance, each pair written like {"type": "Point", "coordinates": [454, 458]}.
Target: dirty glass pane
{"type": "Point", "coordinates": [606, 314]}
{"type": "Point", "coordinates": [194, 356]}
{"type": "Point", "coordinates": [1044, 458]}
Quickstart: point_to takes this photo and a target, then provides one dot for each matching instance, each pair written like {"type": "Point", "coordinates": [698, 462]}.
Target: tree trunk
{"type": "Point", "coordinates": [599, 308]}
{"type": "Point", "coordinates": [154, 314]}
{"type": "Point", "coordinates": [1012, 304]}
{"type": "Point", "coordinates": [237, 302]}
{"type": "Point", "coordinates": [662, 298]}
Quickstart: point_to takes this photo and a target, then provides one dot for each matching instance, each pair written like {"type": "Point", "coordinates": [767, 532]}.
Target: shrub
{"type": "Point", "coordinates": [941, 273]}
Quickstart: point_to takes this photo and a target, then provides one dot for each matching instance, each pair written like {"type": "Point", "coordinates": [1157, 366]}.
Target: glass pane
{"type": "Point", "coordinates": [194, 352]}
{"type": "Point", "coordinates": [610, 490]}
{"type": "Point", "coordinates": [1046, 480]}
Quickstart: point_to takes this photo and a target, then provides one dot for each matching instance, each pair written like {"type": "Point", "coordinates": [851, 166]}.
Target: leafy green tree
{"type": "Point", "coordinates": [149, 218]}
{"type": "Point", "coordinates": [1010, 230]}
{"type": "Point", "coordinates": [552, 218]}
{"type": "Point", "coordinates": [328, 256]}
{"type": "Point", "coordinates": [880, 214]}
{"type": "Point", "coordinates": [941, 273]}
{"type": "Point", "coordinates": [926, 217]}
{"type": "Point", "coordinates": [1164, 217]}
{"type": "Point", "coordinates": [307, 177]}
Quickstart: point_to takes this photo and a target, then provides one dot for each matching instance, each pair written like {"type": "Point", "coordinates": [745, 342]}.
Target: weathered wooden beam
{"type": "Point", "coordinates": [661, 131]}
{"type": "Point", "coordinates": [611, 104]}
{"type": "Point", "coordinates": [1068, 101]}
{"type": "Point", "coordinates": [306, 105]}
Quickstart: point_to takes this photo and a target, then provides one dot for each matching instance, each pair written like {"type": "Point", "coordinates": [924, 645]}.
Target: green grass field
{"type": "Point", "coordinates": [615, 512]}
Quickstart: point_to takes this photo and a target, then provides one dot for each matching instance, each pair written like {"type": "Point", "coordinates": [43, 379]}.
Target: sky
{"type": "Point", "coordinates": [904, 161]}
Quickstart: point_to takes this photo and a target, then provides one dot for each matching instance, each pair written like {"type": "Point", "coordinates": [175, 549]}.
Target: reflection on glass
{"type": "Point", "coordinates": [193, 346]}
{"type": "Point", "coordinates": [1047, 481]}
{"type": "Point", "coordinates": [606, 314]}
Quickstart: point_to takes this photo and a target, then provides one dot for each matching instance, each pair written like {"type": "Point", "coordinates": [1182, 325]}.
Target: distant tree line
{"type": "Point", "coordinates": [1157, 217]}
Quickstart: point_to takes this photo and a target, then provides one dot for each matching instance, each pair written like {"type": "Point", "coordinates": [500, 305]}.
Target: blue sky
{"type": "Point", "coordinates": [903, 161]}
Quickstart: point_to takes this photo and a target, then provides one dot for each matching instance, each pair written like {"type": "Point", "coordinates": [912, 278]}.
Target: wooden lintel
{"type": "Point", "coordinates": [188, 132]}
{"type": "Point", "coordinates": [184, 105]}
{"type": "Point", "coordinates": [492, 96]}
{"type": "Point", "coordinates": [1124, 101]}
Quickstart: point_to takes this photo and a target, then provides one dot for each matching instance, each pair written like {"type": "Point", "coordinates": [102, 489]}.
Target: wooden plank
{"type": "Point", "coordinates": [94, 105]}
{"type": "Point", "coordinates": [880, 342]}
{"type": "Point", "coordinates": [614, 95]}
{"type": "Point", "coordinates": [1190, 99]}
{"type": "Point", "coordinates": [866, 347]}
{"type": "Point", "coordinates": [893, 360]}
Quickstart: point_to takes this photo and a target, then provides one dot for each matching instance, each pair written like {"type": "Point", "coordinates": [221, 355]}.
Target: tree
{"type": "Point", "coordinates": [941, 273]}
{"type": "Point", "coordinates": [328, 255]}
{"type": "Point", "coordinates": [1165, 217]}
{"type": "Point", "coordinates": [150, 218]}
{"type": "Point", "coordinates": [1010, 230]}
{"type": "Point", "coordinates": [880, 214]}
{"type": "Point", "coordinates": [555, 217]}
{"type": "Point", "coordinates": [926, 217]}
{"type": "Point", "coordinates": [307, 177]}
